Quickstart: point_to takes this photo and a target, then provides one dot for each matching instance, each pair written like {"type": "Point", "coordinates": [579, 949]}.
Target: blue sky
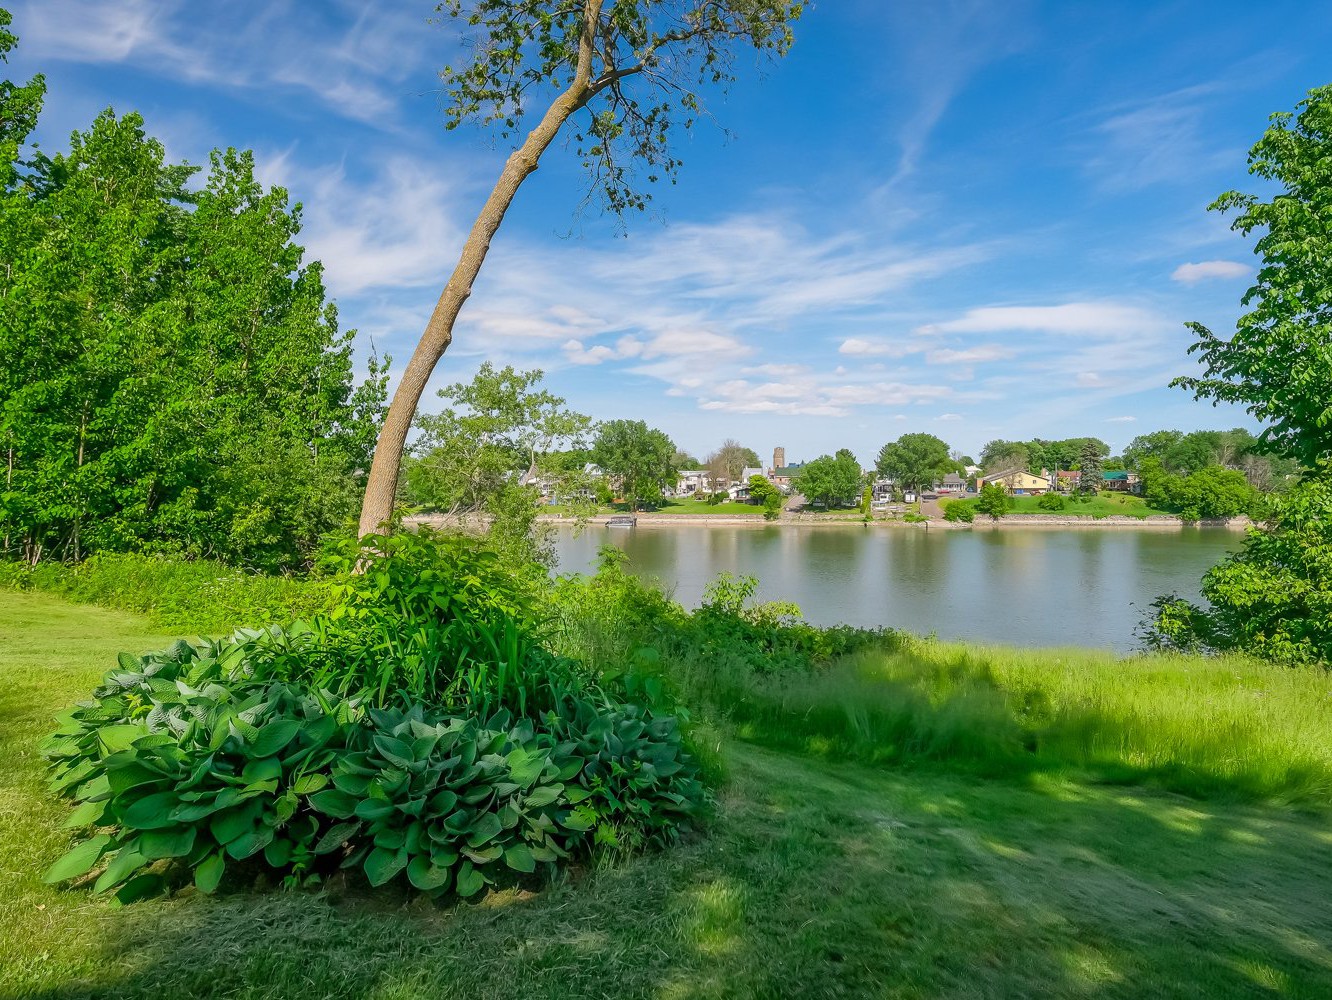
{"type": "Point", "coordinates": [974, 219]}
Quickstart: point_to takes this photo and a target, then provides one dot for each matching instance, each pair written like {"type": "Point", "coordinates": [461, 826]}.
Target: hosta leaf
{"type": "Point", "coordinates": [483, 855]}
{"type": "Point", "coordinates": [167, 843]}
{"type": "Point", "coordinates": [485, 829]}
{"type": "Point", "coordinates": [88, 814]}
{"type": "Point", "coordinates": [394, 751]}
{"type": "Point", "coordinates": [371, 809]}
{"type": "Point", "coordinates": [251, 842]}
{"type": "Point", "coordinates": [78, 861]}
{"type": "Point", "coordinates": [117, 738]}
{"type": "Point", "coordinates": [470, 881]}
{"type": "Point", "coordinates": [262, 770]}
{"type": "Point", "coordinates": [442, 802]}
{"type": "Point", "coordinates": [209, 872]}
{"type": "Point", "coordinates": [353, 784]}
{"type": "Point", "coordinates": [382, 864]}
{"type": "Point", "coordinates": [336, 837]}
{"type": "Point", "coordinates": [520, 859]}
{"type": "Point", "coordinates": [152, 812]}
{"type": "Point", "coordinates": [274, 736]}
{"type": "Point", "coordinates": [543, 796]}
{"type": "Point", "coordinates": [334, 802]}
{"type": "Point", "coordinates": [426, 876]}
{"type": "Point", "coordinates": [128, 662]}
{"type": "Point", "coordinates": [307, 784]}
{"type": "Point", "coordinates": [127, 861]}
{"type": "Point", "coordinates": [278, 853]}
{"type": "Point", "coordinates": [581, 819]}
{"type": "Point", "coordinates": [230, 825]}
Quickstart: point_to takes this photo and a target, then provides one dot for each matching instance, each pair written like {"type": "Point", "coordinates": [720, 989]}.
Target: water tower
{"type": "Point", "coordinates": [778, 458]}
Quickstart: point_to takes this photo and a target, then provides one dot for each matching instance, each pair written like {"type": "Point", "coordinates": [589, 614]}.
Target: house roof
{"type": "Point", "coordinates": [952, 478]}
{"type": "Point", "coordinates": [1118, 475]}
{"type": "Point", "coordinates": [788, 470]}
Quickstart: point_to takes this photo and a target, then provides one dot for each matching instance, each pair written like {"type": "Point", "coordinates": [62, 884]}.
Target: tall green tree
{"type": "Point", "coordinates": [639, 457]}
{"type": "Point", "coordinates": [914, 461]}
{"type": "Point", "coordinates": [624, 76]}
{"type": "Point", "coordinates": [173, 376]}
{"type": "Point", "coordinates": [832, 480]}
{"type": "Point", "coordinates": [1089, 469]}
{"type": "Point", "coordinates": [1278, 362]}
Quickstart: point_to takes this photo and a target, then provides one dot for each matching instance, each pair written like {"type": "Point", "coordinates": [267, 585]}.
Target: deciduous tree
{"type": "Point", "coordinates": [914, 461]}
{"type": "Point", "coordinates": [623, 75]}
{"type": "Point", "coordinates": [638, 456]}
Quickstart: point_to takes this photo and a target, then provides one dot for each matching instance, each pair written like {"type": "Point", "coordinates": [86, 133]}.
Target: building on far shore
{"type": "Point", "coordinates": [778, 457]}
{"type": "Point", "coordinates": [1018, 482]}
{"type": "Point", "coordinates": [783, 474]}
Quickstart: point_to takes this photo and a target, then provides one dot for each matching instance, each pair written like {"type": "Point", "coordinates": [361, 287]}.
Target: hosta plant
{"type": "Point", "coordinates": [193, 757]}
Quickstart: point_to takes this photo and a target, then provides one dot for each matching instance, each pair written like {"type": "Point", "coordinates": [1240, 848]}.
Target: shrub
{"type": "Point", "coordinates": [187, 755]}
{"type": "Point", "coordinates": [993, 500]}
{"type": "Point", "coordinates": [958, 511]}
{"type": "Point", "coordinates": [1052, 502]}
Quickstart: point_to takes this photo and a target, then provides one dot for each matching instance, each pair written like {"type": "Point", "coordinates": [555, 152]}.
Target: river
{"type": "Point", "coordinates": [1014, 586]}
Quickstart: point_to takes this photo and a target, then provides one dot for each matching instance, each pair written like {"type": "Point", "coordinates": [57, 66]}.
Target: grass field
{"type": "Point", "coordinates": [1104, 504]}
{"type": "Point", "coordinates": [818, 879]}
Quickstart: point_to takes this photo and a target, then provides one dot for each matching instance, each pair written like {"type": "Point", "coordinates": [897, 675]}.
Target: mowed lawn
{"type": "Point", "coordinates": [816, 880]}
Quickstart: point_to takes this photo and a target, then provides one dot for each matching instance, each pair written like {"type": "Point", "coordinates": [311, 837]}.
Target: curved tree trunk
{"type": "Point", "coordinates": [382, 484]}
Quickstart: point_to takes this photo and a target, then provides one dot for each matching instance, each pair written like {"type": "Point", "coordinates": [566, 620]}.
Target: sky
{"type": "Point", "coordinates": [977, 220]}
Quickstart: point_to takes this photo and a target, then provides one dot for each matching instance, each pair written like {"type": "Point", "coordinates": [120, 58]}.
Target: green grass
{"type": "Point", "coordinates": [1228, 728]}
{"type": "Point", "coordinates": [728, 508]}
{"type": "Point", "coordinates": [818, 879]}
{"type": "Point", "coordinates": [1104, 504]}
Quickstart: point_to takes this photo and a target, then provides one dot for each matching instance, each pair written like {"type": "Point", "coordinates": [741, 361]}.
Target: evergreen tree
{"type": "Point", "coordinates": [1089, 468]}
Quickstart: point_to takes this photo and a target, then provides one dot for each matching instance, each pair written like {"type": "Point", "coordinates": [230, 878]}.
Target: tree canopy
{"type": "Point", "coordinates": [1278, 362]}
{"type": "Point", "coordinates": [832, 480]}
{"type": "Point", "coordinates": [173, 377]}
{"type": "Point", "coordinates": [914, 461]}
{"type": "Point", "coordinates": [639, 457]}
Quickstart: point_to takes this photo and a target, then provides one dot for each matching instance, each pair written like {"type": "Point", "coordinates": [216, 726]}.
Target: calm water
{"type": "Point", "coordinates": [1030, 587]}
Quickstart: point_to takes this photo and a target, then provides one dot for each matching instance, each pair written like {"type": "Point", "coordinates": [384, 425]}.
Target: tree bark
{"type": "Point", "coordinates": [382, 484]}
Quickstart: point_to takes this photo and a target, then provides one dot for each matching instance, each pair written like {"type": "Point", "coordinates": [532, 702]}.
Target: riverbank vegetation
{"type": "Point", "coordinates": [895, 811]}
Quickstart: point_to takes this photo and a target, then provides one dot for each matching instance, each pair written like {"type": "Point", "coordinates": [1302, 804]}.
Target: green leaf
{"type": "Point", "coordinates": [373, 809]}
{"type": "Point", "coordinates": [426, 876]}
{"type": "Point", "coordinates": [278, 853]}
{"type": "Point", "coordinates": [265, 769]}
{"type": "Point", "coordinates": [250, 843]}
{"type": "Point", "coordinates": [382, 864]}
{"type": "Point", "coordinates": [543, 796]}
{"type": "Point", "coordinates": [88, 814]}
{"type": "Point", "coordinates": [117, 738]}
{"type": "Point", "coordinates": [78, 861]}
{"type": "Point", "coordinates": [334, 802]}
{"type": "Point", "coordinates": [470, 881]}
{"type": "Point", "coordinates": [209, 873]}
{"type": "Point", "coordinates": [230, 825]}
{"type": "Point", "coordinates": [308, 784]}
{"type": "Point", "coordinates": [336, 837]}
{"type": "Point", "coordinates": [152, 812]}
{"type": "Point", "coordinates": [274, 736]}
{"type": "Point", "coordinates": [127, 861]}
{"type": "Point", "coordinates": [520, 859]}
{"type": "Point", "coordinates": [485, 829]}
{"type": "Point", "coordinates": [167, 843]}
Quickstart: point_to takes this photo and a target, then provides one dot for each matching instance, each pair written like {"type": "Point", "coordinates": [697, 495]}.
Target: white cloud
{"type": "Point", "coordinates": [949, 416]}
{"type": "Point", "coordinates": [1120, 420]}
{"type": "Point", "coordinates": [1189, 273]}
{"type": "Point", "coordinates": [1073, 318]}
{"type": "Point", "coordinates": [973, 355]}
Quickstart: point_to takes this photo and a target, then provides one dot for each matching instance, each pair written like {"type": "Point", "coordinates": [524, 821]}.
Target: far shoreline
{"type": "Point", "coordinates": [1008, 522]}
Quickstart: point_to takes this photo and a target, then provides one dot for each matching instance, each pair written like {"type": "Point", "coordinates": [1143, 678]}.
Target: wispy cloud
{"type": "Point", "coordinates": [1161, 139]}
{"type": "Point", "coordinates": [1207, 269]}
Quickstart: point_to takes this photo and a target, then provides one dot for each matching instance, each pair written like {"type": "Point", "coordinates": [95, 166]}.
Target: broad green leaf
{"type": "Point", "coordinates": [336, 837]}
{"type": "Point", "coordinates": [230, 825]}
{"type": "Point", "coordinates": [78, 861]}
{"type": "Point", "coordinates": [486, 829]}
{"type": "Point", "coordinates": [167, 843]}
{"type": "Point", "coordinates": [543, 795]}
{"type": "Point", "coordinates": [117, 738]}
{"type": "Point", "coordinates": [264, 769]}
{"type": "Point", "coordinates": [470, 881]}
{"type": "Point", "coordinates": [152, 812]}
{"type": "Point", "coordinates": [278, 853]}
{"type": "Point", "coordinates": [127, 861]}
{"type": "Point", "coordinates": [251, 842]}
{"type": "Point", "coordinates": [382, 864]}
{"type": "Point", "coordinates": [334, 802]}
{"type": "Point", "coordinates": [307, 784]}
{"type": "Point", "coordinates": [372, 809]}
{"type": "Point", "coordinates": [88, 814]}
{"type": "Point", "coordinates": [140, 887]}
{"type": "Point", "coordinates": [520, 859]}
{"type": "Point", "coordinates": [209, 873]}
{"type": "Point", "coordinates": [274, 736]}
{"type": "Point", "coordinates": [426, 876]}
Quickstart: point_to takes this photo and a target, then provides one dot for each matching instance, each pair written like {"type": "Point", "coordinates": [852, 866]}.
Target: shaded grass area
{"type": "Point", "coordinates": [1104, 504]}
{"type": "Point", "coordinates": [818, 879]}
{"type": "Point", "coordinates": [1226, 728]}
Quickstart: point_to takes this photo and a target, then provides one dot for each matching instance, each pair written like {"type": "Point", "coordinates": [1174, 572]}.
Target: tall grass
{"type": "Point", "coordinates": [196, 596]}
{"type": "Point", "coordinates": [1225, 727]}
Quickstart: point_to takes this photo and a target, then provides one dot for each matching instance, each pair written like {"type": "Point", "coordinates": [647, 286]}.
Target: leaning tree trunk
{"type": "Point", "coordinates": [382, 484]}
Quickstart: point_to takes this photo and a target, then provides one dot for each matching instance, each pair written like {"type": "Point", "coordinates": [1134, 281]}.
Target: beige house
{"type": "Point", "coordinates": [1018, 482]}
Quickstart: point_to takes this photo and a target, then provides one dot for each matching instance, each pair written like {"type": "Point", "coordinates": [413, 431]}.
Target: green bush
{"type": "Point", "coordinates": [958, 511]}
{"type": "Point", "coordinates": [1052, 502]}
{"type": "Point", "coordinates": [190, 756]}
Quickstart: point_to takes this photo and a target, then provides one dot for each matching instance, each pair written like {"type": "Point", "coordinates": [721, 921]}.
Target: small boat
{"type": "Point", "coordinates": [624, 521]}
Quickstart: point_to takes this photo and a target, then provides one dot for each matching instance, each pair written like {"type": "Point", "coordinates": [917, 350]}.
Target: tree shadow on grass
{"type": "Point", "coordinates": [818, 880]}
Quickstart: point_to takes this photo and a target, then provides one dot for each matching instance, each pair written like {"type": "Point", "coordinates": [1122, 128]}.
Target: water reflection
{"type": "Point", "coordinates": [1038, 587]}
